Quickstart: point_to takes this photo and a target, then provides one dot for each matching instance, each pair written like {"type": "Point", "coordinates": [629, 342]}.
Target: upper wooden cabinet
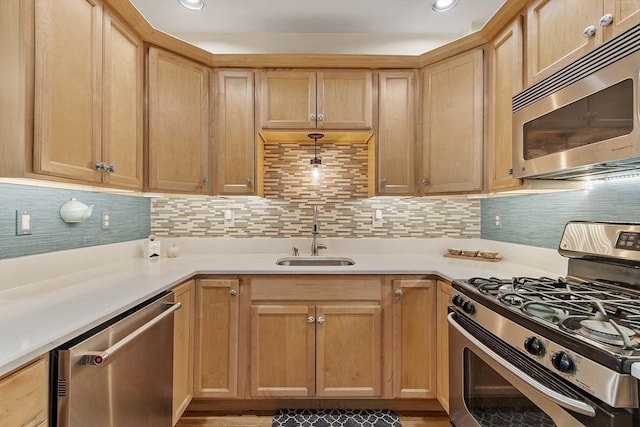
{"type": "Point", "coordinates": [414, 338]}
{"type": "Point", "coordinates": [216, 338]}
{"type": "Point", "coordinates": [88, 95]}
{"type": "Point", "coordinates": [556, 30]}
{"type": "Point", "coordinates": [452, 149]}
{"type": "Point", "coordinates": [340, 99]}
{"type": "Point", "coordinates": [234, 151]}
{"type": "Point", "coordinates": [178, 124]}
{"type": "Point", "coordinates": [396, 140]}
{"type": "Point", "coordinates": [505, 80]}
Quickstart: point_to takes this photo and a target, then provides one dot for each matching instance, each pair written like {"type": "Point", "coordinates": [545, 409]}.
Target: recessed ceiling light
{"type": "Point", "coordinates": [192, 4]}
{"type": "Point", "coordinates": [443, 5]}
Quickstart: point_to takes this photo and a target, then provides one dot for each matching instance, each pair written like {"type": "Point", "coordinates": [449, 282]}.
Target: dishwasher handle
{"type": "Point", "coordinates": [98, 357]}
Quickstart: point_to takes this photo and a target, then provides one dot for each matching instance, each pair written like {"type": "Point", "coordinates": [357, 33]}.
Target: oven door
{"type": "Point", "coordinates": [493, 384]}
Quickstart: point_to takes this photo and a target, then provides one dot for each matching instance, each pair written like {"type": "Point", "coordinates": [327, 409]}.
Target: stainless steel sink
{"type": "Point", "coordinates": [315, 261]}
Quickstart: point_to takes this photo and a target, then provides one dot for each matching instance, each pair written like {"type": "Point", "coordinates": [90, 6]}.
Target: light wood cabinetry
{"type": "Point", "coordinates": [178, 124]}
{"type": "Point", "coordinates": [88, 95]}
{"type": "Point", "coordinates": [183, 354]}
{"type": "Point", "coordinates": [396, 150]}
{"type": "Point", "coordinates": [444, 296]}
{"type": "Point", "coordinates": [216, 338]}
{"type": "Point", "coordinates": [25, 398]}
{"type": "Point", "coordinates": [414, 338]}
{"type": "Point", "coordinates": [294, 99]}
{"type": "Point", "coordinates": [234, 157]}
{"type": "Point", "coordinates": [505, 80]}
{"type": "Point", "coordinates": [313, 336]}
{"type": "Point", "coordinates": [555, 30]}
{"type": "Point", "coordinates": [452, 149]}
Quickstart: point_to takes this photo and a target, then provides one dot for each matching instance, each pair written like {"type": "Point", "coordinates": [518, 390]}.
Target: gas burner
{"type": "Point", "coordinates": [604, 331]}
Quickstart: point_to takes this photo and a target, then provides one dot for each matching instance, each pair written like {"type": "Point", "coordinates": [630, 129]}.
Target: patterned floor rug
{"type": "Point", "coordinates": [334, 418]}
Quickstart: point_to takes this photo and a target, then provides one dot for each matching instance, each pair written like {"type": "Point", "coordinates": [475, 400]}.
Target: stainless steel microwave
{"type": "Point", "coordinates": [584, 120]}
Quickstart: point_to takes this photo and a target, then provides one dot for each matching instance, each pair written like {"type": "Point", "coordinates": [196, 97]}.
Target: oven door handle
{"type": "Point", "coordinates": [560, 399]}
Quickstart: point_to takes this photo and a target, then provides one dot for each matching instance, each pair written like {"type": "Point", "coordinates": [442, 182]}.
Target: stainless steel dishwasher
{"type": "Point", "coordinates": [119, 374]}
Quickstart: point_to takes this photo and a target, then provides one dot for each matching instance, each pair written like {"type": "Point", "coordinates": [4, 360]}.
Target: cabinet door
{"type": "Point", "coordinates": [234, 153]}
{"type": "Point", "coordinates": [444, 295]}
{"type": "Point", "coordinates": [349, 347]}
{"type": "Point", "coordinates": [216, 351]}
{"type": "Point", "coordinates": [396, 133]}
{"type": "Point", "coordinates": [344, 100]}
{"type": "Point", "coordinates": [555, 34]}
{"type": "Point", "coordinates": [183, 321]}
{"type": "Point", "coordinates": [178, 141]}
{"type": "Point", "coordinates": [122, 105]}
{"type": "Point", "coordinates": [288, 100]}
{"type": "Point", "coordinates": [25, 395]}
{"type": "Point", "coordinates": [505, 54]}
{"type": "Point", "coordinates": [453, 136]}
{"type": "Point", "coordinates": [626, 14]}
{"type": "Point", "coordinates": [282, 350]}
{"type": "Point", "coordinates": [414, 339]}
{"type": "Point", "coordinates": [68, 75]}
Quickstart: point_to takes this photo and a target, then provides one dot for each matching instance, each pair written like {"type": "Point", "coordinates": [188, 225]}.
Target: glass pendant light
{"type": "Point", "coordinates": [316, 162]}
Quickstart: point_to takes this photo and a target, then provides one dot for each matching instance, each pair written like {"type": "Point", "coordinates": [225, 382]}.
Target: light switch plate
{"type": "Point", "coordinates": [23, 223]}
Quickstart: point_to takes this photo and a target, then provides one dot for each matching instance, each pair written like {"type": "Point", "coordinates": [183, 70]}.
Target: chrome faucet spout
{"type": "Point", "coordinates": [315, 246]}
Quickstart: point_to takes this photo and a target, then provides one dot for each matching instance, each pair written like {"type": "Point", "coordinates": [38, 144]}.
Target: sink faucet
{"type": "Point", "coordinates": [315, 246]}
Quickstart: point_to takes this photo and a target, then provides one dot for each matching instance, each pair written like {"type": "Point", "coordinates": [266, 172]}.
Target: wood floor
{"type": "Point", "coordinates": [265, 421]}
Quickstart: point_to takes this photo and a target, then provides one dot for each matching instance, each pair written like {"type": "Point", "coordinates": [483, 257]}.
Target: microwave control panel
{"type": "Point", "coordinates": [629, 241]}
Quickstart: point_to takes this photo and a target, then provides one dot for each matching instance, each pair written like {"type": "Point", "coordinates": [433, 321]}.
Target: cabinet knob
{"type": "Point", "coordinates": [111, 168]}
{"type": "Point", "coordinates": [320, 319]}
{"type": "Point", "coordinates": [425, 181]}
{"type": "Point", "coordinates": [311, 319]}
{"type": "Point", "coordinates": [606, 20]}
{"type": "Point", "coordinates": [383, 181]}
{"type": "Point", "coordinates": [312, 116]}
{"type": "Point", "coordinates": [248, 182]}
{"type": "Point", "coordinates": [101, 166]}
{"type": "Point", "coordinates": [321, 117]}
{"type": "Point", "coordinates": [398, 292]}
{"type": "Point", "coordinates": [589, 31]}
{"type": "Point", "coordinates": [510, 171]}
{"type": "Point", "coordinates": [205, 180]}
{"type": "Point", "coordinates": [233, 292]}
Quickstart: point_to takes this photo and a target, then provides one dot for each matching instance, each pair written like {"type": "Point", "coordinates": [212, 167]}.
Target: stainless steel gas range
{"type": "Point", "coordinates": [552, 352]}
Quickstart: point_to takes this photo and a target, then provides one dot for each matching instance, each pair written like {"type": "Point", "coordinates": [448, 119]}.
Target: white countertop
{"type": "Point", "coordinates": [56, 297]}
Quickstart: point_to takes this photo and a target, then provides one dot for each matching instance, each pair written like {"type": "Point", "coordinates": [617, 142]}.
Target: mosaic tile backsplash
{"type": "Point", "coordinates": [538, 220]}
{"type": "Point", "coordinates": [343, 207]}
{"type": "Point", "coordinates": [129, 216]}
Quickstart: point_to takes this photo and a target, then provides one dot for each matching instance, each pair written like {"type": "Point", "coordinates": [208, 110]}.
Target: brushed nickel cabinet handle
{"type": "Point", "coordinates": [398, 292]}
{"type": "Point", "coordinates": [233, 292]}
{"type": "Point", "coordinates": [311, 319]}
{"type": "Point", "coordinates": [320, 319]}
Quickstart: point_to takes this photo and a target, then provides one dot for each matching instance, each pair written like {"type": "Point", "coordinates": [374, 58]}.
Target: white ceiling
{"type": "Point", "coordinates": [318, 26]}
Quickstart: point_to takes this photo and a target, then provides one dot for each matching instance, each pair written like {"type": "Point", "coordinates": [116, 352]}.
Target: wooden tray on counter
{"type": "Point", "coordinates": [473, 258]}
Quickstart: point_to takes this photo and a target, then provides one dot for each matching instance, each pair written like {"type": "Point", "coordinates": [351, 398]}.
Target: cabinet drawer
{"type": "Point", "coordinates": [24, 395]}
{"type": "Point", "coordinates": [332, 288]}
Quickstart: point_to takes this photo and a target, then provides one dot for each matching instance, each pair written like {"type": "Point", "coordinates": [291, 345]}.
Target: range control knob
{"type": "Point", "coordinates": [457, 300]}
{"type": "Point", "coordinates": [534, 346]}
{"type": "Point", "coordinates": [468, 307]}
{"type": "Point", "coordinates": [562, 362]}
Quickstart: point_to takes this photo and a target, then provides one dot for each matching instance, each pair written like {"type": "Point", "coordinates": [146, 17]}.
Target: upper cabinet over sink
{"type": "Point", "coordinates": [335, 99]}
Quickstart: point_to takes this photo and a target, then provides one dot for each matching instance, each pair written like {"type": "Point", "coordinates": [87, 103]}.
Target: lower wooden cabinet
{"type": "Point", "coordinates": [444, 295]}
{"type": "Point", "coordinates": [183, 348]}
{"type": "Point", "coordinates": [313, 336]}
{"type": "Point", "coordinates": [414, 338]}
{"type": "Point", "coordinates": [216, 338]}
{"type": "Point", "coordinates": [25, 398]}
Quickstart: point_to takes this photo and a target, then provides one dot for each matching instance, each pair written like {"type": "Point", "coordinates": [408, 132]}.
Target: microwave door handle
{"type": "Point", "coordinates": [564, 401]}
{"type": "Point", "coordinates": [97, 357]}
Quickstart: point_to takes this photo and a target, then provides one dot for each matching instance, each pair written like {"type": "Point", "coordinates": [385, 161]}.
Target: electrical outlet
{"type": "Point", "coordinates": [23, 223]}
{"type": "Point", "coordinates": [229, 218]}
{"type": "Point", "coordinates": [498, 221]}
{"type": "Point", "coordinates": [106, 221]}
{"type": "Point", "coordinates": [377, 219]}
